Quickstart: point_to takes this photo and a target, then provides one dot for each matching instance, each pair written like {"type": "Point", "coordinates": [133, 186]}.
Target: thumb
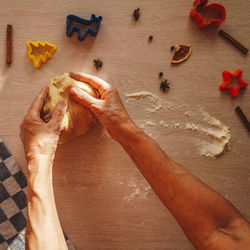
{"type": "Point", "coordinates": [58, 113]}
{"type": "Point", "coordinates": [82, 97]}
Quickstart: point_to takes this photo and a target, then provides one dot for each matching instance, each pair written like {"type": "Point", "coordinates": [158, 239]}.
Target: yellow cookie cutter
{"type": "Point", "coordinates": [41, 47]}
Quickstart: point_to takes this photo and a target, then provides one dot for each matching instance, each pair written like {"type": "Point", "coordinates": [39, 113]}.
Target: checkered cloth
{"type": "Point", "coordinates": [13, 204]}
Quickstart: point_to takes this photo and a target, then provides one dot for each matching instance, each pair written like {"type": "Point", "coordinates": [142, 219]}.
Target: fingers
{"type": "Point", "coordinates": [96, 82]}
{"type": "Point", "coordinates": [82, 97]}
{"type": "Point", "coordinates": [58, 113]}
{"type": "Point", "coordinates": [37, 104]}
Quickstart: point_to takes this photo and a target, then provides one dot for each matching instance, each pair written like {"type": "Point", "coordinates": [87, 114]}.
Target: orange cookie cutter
{"type": "Point", "coordinates": [44, 51]}
{"type": "Point", "coordinates": [202, 22]}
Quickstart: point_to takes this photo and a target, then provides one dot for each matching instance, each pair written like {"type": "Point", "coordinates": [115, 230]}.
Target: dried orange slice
{"type": "Point", "coordinates": [181, 53]}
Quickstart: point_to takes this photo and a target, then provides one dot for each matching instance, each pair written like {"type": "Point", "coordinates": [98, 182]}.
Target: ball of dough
{"type": "Point", "coordinates": [78, 119]}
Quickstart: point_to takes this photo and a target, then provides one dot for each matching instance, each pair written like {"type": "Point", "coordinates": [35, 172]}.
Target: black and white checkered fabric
{"type": "Point", "coordinates": [13, 204]}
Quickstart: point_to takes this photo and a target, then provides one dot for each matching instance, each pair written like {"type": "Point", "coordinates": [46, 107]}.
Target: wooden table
{"type": "Point", "coordinates": [102, 199]}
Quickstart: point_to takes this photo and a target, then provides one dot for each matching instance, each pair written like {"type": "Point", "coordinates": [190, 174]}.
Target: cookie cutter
{"type": "Point", "coordinates": [228, 78]}
{"type": "Point", "coordinates": [42, 46]}
{"type": "Point", "coordinates": [202, 22]}
{"type": "Point", "coordinates": [75, 24]}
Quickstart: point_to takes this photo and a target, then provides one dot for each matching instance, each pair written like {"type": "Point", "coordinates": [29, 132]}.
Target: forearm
{"type": "Point", "coordinates": [197, 208]}
{"type": "Point", "coordinates": [43, 227]}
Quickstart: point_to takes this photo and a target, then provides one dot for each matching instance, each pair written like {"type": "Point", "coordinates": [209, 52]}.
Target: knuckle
{"type": "Point", "coordinates": [95, 107]}
{"type": "Point", "coordinates": [82, 97]}
{"type": "Point", "coordinates": [93, 78]}
{"type": "Point", "coordinates": [60, 115]}
{"type": "Point", "coordinates": [40, 97]}
{"type": "Point", "coordinates": [26, 119]}
{"type": "Point", "coordinates": [76, 76]}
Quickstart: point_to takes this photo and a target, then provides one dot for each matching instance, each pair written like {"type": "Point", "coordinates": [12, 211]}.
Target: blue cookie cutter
{"type": "Point", "coordinates": [78, 22]}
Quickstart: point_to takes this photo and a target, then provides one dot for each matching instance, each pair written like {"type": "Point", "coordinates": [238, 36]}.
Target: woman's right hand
{"type": "Point", "coordinates": [108, 109]}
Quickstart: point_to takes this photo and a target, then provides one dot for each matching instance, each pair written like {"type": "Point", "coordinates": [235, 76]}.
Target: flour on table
{"type": "Point", "coordinates": [132, 196]}
{"type": "Point", "coordinates": [220, 143]}
{"type": "Point", "coordinates": [146, 94]}
{"type": "Point", "coordinates": [138, 192]}
{"type": "Point", "coordinates": [170, 125]}
{"type": "Point", "coordinates": [145, 129]}
{"type": "Point", "coordinates": [217, 135]}
{"type": "Point", "coordinates": [214, 129]}
{"type": "Point", "coordinates": [145, 125]}
{"type": "Point", "coordinates": [150, 123]}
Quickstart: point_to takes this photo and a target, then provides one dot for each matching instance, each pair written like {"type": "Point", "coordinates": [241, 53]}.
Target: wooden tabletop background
{"type": "Point", "coordinates": [102, 199]}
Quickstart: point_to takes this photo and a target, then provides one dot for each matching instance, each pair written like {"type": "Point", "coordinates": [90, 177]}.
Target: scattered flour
{"type": "Point", "coordinates": [139, 192]}
{"type": "Point", "coordinates": [202, 115]}
{"type": "Point", "coordinates": [214, 129]}
{"type": "Point", "coordinates": [218, 135]}
{"type": "Point", "coordinates": [132, 196]}
{"type": "Point", "coordinates": [145, 129]}
{"type": "Point", "coordinates": [219, 144]}
{"type": "Point", "coordinates": [145, 126]}
{"type": "Point", "coordinates": [163, 123]}
{"type": "Point", "coordinates": [150, 123]}
{"type": "Point", "coordinates": [146, 94]}
{"type": "Point", "coordinates": [170, 125]}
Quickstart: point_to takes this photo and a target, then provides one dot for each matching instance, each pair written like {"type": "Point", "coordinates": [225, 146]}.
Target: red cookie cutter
{"type": "Point", "coordinates": [202, 22]}
{"type": "Point", "coordinates": [228, 78]}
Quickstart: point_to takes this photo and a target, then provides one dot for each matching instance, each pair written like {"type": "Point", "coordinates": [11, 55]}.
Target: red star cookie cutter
{"type": "Point", "coordinates": [202, 5]}
{"type": "Point", "coordinates": [228, 78]}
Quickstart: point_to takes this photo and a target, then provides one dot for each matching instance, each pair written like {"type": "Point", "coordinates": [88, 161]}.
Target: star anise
{"type": "Point", "coordinates": [98, 63]}
{"type": "Point", "coordinates": [164, 85]}
{"type": "Point", "coordinates": [137, 14]}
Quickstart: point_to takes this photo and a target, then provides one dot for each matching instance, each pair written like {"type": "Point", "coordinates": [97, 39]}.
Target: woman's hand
{"type": "Point", "coordinates": [108, 109]}
{"type": "Point", "coordinates": [39, 138]}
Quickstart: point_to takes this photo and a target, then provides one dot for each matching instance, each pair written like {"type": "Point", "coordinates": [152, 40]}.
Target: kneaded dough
{"type": "Point", "coordinates": [78, 119]}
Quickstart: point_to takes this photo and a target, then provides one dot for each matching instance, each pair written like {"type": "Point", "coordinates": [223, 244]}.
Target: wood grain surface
{"type": "Point", "coordinates": [102, 199]}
